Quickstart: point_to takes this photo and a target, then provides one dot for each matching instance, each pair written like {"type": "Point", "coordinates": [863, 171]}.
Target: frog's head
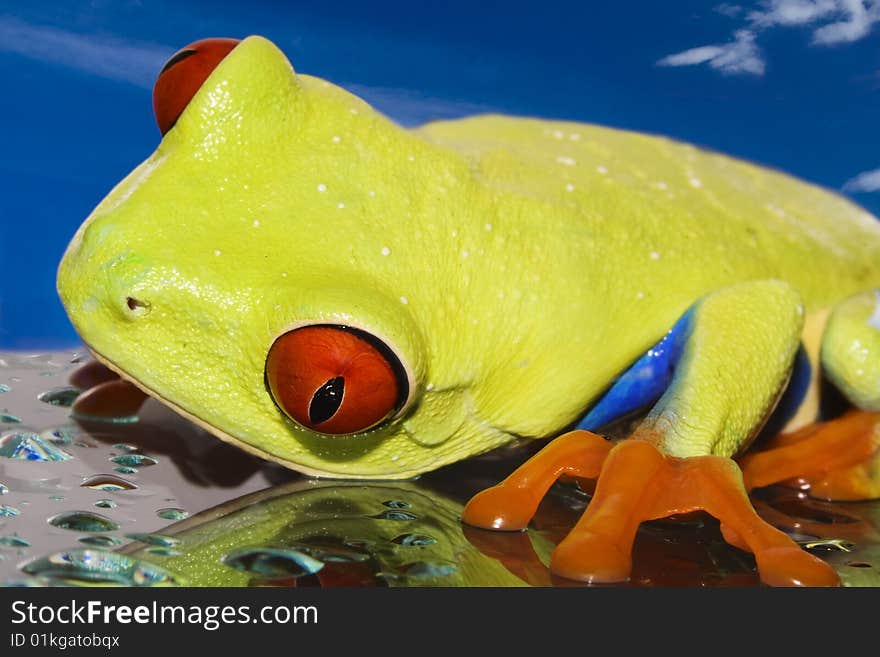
{"type": "Point", "coordinates": [242, 275]}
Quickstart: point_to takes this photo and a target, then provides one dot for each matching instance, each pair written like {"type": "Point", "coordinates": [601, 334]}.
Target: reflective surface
{"type": "Point", "coordinates": [158, 501]}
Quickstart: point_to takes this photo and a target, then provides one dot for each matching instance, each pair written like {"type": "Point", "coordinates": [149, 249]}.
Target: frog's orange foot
{"type": "Point", "coordinates": [835, 460]}
{"type": "Point", "coordinates": [639, 483]}
{"type": "Point", "coordinates": [105, 396]}
{"type": "Point", "coordinates": [511, 504]}
{"type": "Point", "coordinates": [591, 557]}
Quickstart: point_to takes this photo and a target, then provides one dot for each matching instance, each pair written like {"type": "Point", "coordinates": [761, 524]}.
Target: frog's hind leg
{"type": "Point", "coordinates": [838, 459]}
{"type": "Point", "coordinates": [738, 353]}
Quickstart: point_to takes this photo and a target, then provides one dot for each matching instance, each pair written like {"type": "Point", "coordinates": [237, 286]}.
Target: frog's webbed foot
{"type": "Point", "coordinates": [637, 482]}
{"type": "Point", "coordinates": [836, 460]}
{"type": "Point", "coordinates": [105, 396]}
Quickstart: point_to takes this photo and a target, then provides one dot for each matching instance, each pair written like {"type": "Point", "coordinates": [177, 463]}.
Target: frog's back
{"type": "Point", "coordinates": [708, 216]}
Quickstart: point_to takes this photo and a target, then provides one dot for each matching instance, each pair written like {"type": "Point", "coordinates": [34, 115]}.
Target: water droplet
{"type": "Point", "coordinates": [13, 542]}
{"type": "Point", "coordinates": [7, 511]}
{"type": "Point", "coordinates": [61, 396]}
{"type": "Point", "coordinates": [395, 515]}
{"type": "Point", "coordinates": [3, 489]}
{"type": "Point", "coordinates": [108, 483]}
{"type": "Point", "coordinates": [85, 566]}
{"type": "Point", "coordinates": [60, 435]}
{"type": "Point", "coordinates": [56, 498]}
{"type": "Point", "coordinates": [827, 545]}
{"type": "Point", "coordinates": [29, 446]}
{"type": "Point", "coordinates": [322, 550]}
{"type": "Point", "coordinates": [272, 563]}
{"type": "Point", "coordinates": [172, 514]}
{"type": "Point", "coordinates": [83, 521]}
{"type": "Point", "coordinates": [4, 387]}
{"type": "Point", "coordinates": [106, 504]}
{"type": "Point", "coordinates": [134, 460]}
{"type": "Point", "coordinates": [163, 551]}
{"type": "Point", "coordinates": [124, 469]}
{"type": "Point", "coordinates": [101, 540]}
{"type": "Point", "coordinates": [414, 540]}
{"type": "Point", "coordinates": [429, 569]}
{"type": "Point", "coordinates": [9, 419]}
{"type": "Point", "coordinates": [397, 504]}
{"type": "Point", "coordinates": [154, 539]}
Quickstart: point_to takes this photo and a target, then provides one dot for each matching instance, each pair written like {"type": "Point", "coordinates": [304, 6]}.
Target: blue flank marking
{"type": "Point", "coordinates": [644, 382]}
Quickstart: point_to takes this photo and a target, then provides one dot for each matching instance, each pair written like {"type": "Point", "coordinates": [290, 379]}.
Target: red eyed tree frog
{"type": "Point", "coordinates": [307, 280]}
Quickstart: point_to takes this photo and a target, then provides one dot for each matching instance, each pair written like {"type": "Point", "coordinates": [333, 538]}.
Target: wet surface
{"type": "Point", "coordinates": [158, 501]}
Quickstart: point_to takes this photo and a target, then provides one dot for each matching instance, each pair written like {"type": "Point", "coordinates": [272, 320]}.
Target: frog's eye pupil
{"type": "Point", "coordinates": [327, 400]}
{"type": "Point", "coordinates": [179, 56]}
{"type": "Point", "coordinates": [183, 74]}
{"type": "Point", "coordinates": [335, 379]}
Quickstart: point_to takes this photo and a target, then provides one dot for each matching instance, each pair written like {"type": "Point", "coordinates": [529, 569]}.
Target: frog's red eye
{"type": "Point", "coordinates": [335, 379]}
{"type": "Point", "coordinates": [182, 76]}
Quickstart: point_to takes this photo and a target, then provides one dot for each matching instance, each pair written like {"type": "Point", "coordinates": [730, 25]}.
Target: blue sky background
{"type": "Point", "coordinates": [794, 84]}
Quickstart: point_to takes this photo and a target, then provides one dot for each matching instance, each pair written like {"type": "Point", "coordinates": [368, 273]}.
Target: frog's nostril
{"type": "Point", "coordinates": [137, 307]}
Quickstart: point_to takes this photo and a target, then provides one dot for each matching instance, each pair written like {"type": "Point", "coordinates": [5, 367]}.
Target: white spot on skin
{"type": "Point", "coordinates": [557, 134]}
{"type": "Point", "coordinates": [284, 274]}
{"type": "Point", "coordinates": [335, 139]}
{"type": "Point", "coordinates": [322, 187]}
{"type": "Point", "coordinates": [465, 253]}
{"type": "Point", "coordinates": [341, 206]}
{"type": "Point", "coordinates": [696, 182]}
{"type": "Point", "coordinates": [567, 161]}
{"type": "Point", "coordinates": [429, 387]}
{"type": "Point", "coordinates": [256, 223]}
{"type": "Point", "coordinates": [217, 252]}
{"type": "Point", "coordinates": [386, 251]}
{"type": "Point", "coordinates": [569, 187]}
{"type": "Point", "coordinates": [661, 185]}
{"type": "Point", "coordinates": [640, 295]}
{"type": "Point", "coordinates": [575, 136]}
{"type": "Point", "coordinates": [601, 169]}
{"type": "Point", "coordinates": [395, 457]}
{"type": "Point", "coordinates": [371, 193]}
{"type": "Point", "coordinates": [404, 300]}
{"type": "Point", "coordinates": [411, 158]}
{"type": "Point", "coordinates": [655, 255]}
{"type": "Point", "coordinates": [353, 110]}
{"type": "Point", "coordinates": [488, 226]}
{"type": "Point", "coordinates": [475, 321]}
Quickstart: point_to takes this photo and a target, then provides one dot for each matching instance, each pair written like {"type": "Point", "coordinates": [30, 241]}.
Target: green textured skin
{"type": "Point", "coordinates": [516, 265]}
{"type": "Point", "coordinates": [850, 349]}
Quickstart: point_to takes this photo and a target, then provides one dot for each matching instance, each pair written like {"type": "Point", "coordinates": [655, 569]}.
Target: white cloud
{"type": "Point", "coordinates": [856, 25]}
{"type": "Point", "coordinates": [867, 181]}
{"type": "Point", "coordinates": [835, 22]}
{"type": "Point", "coordinates": [105, 57]}
{"type": "Point", "coordinates": [741, 55]}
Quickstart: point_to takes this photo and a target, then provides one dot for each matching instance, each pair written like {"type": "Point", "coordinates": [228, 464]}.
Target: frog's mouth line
{"type": "Point", "coordinates": [246, 447]}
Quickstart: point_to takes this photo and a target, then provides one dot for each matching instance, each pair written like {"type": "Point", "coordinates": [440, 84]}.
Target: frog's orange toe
{"type": "Point", "coordinates": [508, 508]}
{"type": "Point", "coordinates": [511, 504]}
{"type": "Point", "coordinates": [835, 460]}
{"type": "Point", "coordinates": [791, 566]}
{"type": "Point", "coordinates": [590, 557]}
